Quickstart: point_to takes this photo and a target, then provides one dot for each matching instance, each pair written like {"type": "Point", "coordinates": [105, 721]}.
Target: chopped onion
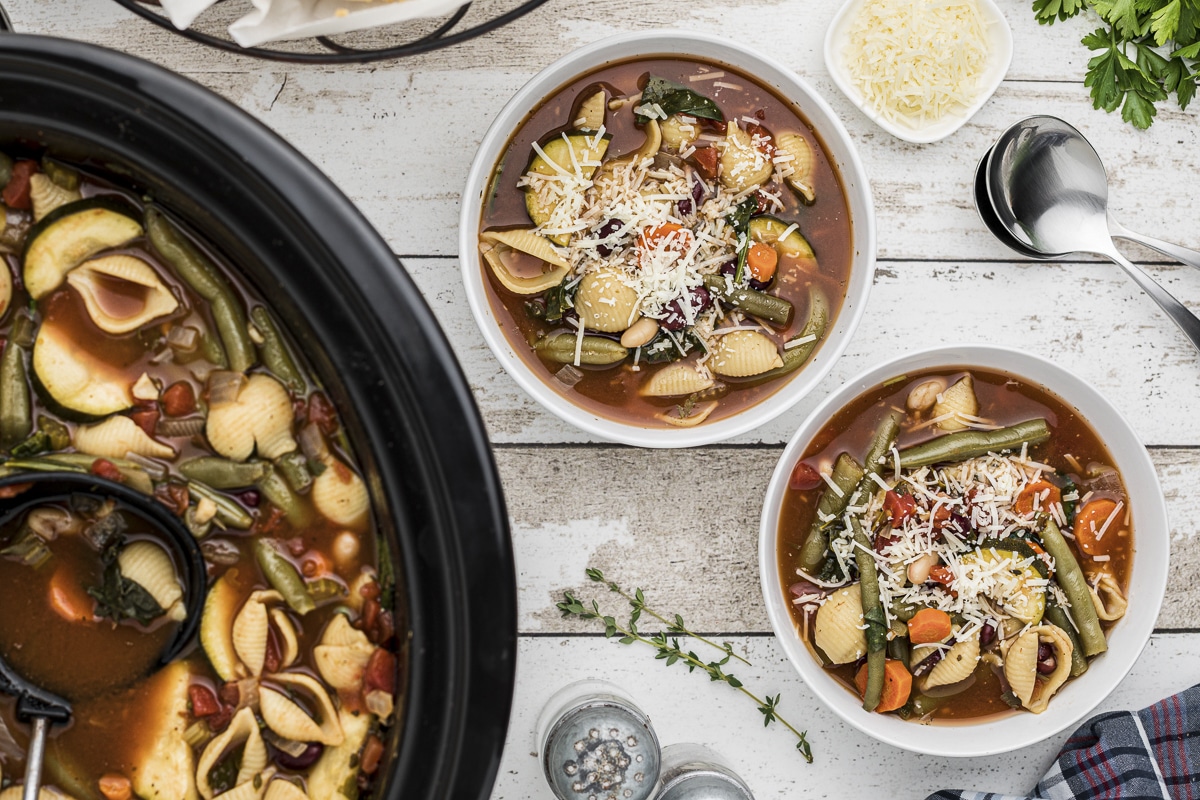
{"type": "Point", "coordinates": [224, 386]}
{"type": "Point", "coordinates": [312, 442]}
{"type": "Point", "coordinates": [292, 748]}
{"type": "Point", "coordinates": [183, 339]}
{"type": "Point", "coordinates": [568, 376]}
{"type": "Point", "coordinates": [152, 468]}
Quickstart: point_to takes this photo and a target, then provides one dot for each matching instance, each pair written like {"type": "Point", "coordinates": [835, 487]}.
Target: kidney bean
{"type": "Point", "coordinates": [1047, 665]}
{"type": "Point", "coordinates": [987, 634]}
{"type": "Point", "coordinates": [674, 319]}
{"type": "Point", "coordinates": [312, 751]}
{"type": "Point", "coordinates": [250, 497]}
{"type": "Point", "coordinates": [609, 229]}
{"type": "Point", "coordinates": [179, 399]}
{"type": "Point", "coordinates": [220, 721]}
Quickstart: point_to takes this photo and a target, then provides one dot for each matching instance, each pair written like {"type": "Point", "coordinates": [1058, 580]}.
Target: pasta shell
{"type": "Point", "coordinates": [1107, 597]}
{"type": "Point", "coordinates": [1020, 666]}
{"type": "Point", "coordinates": [605, 302]}
{"type": "Point", "coordinates": [957, 665]}
{"type": "Point", "coordinates": [528, 242]}
{"type": "Point", "coordinates": [959, 400]}
{"type": "Point", "coordinates": [650, 146]}
{"type": "Point", "coordinates": [242, 730]}
{"type": "Point", "coordinates": [116, 436]}
{"type": "Point", "coordinates": [741, 354]}
{"type": "Point", "coordinates": [693, 419]}
{"type": "Point", "coordinates": [742, 165]}
{"type": "Point", "coordinates": [494, 256]}
{"type": "Point", "coordinates": [338, 766]}
{"type": "Point", "coordinates": [341, 496]}
{"type": "Point", "coordinates": [251, 629]}
{"type": "Point", "coordinates": [343, 654]}
{"type": "Point", "coordinates": [260, 418]}
{"type": "Point", "coordinates": [799, 169]}
{"type": "Point", "coordinates": [109, 285]}
{"type": "Point", "coordinates": [287, 632]}
{"type": "Point", "coordinates": [149, 566]}
{"type": "Point", "coordinates": [290, 721]}
{"type": "Point", "coordinates": [280, 789]}
{"type": "Point", "coordinates": [591, 112]}
{"type": "Point", "coordinates": [678, 134]}
{"type": "Point", "coordinates": [675, 380]}
{"type": "Point", "coordinates": [249, 790]}
{"type": "Point", "coordinates": [45, 195]}
{"type": "Point", "coordinates": [838, 626]}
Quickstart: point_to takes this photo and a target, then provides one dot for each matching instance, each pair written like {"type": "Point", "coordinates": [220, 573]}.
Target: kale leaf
{"type": "Point", "coordinates": [675, 98]}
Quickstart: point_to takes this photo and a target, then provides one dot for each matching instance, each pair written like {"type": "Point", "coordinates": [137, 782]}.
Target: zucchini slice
{"type": "Point", "coordinates": [165, 769]}
{"type": "Point", "coordinates": [70, 235]}
{"type": "Point", "coordinates": [76, 380]}
{"type": "Point", "coordinates": [568, 152]}
{"type": "Point", "coordinates": [1025, 598]}
{"type": "Point", "coordinates": [769, 230]}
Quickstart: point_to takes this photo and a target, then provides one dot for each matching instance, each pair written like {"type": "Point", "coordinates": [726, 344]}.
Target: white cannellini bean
{"type": "Point", "coordinates": [639, 333]}
{"type": "Point", "coordinates": [345, 549]}
{"type": "Point", "coordinates": [924, 395]}
{"type": "Point", "coordinates": [918, 571]}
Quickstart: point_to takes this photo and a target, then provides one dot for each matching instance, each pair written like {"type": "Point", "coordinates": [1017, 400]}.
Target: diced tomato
{"type": "Point", "coordinates": [204, 701]}
{"type": "Point", "coordinates": [145, 418]}
{"type": "Point", "coordinates": [16, 191]}
{"type": "Point", "coordinates": [371, 755]}
{"type": "Point", "coordinates": [804, 477]}
{"type": "Point", "coordinates": [883, 541]}
{"type": "Point", "coordinates": [705, 159]}
{"type": "Point", "coordinates": [230, 694]}
{"type": "Point", "coordinates": [380, 672]}
{"type": "Point", "coordinates": [762, 139]}
{"type": "Point", "coordinates": [941, 574]}
{"type": "Point", "coordinates": [103, 468]}
{"type": "Point", "coordinates": [322, 412]}
{"type": "Point", "coordinates": [899, 507]}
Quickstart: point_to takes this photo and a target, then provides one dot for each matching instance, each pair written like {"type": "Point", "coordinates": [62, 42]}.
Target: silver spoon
{"type": "Point", "coordinates": [1049, 196]}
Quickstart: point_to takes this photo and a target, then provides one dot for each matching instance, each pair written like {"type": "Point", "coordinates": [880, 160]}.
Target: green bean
{"type": "Point", "coordinates": [199, 273]}
{"type": "Point", "coordinates": [903, 611]}
{"type": "Point", "coordinates": [846, 474]}
{"type": "Point", "coordinates": [16, 409]}
{"type": "Point", "coordinates": [881, 444]}
{"type": "Point", "coordinates": [133, 475]}
{"type": "Point", "coordinates": [294, 468]}
{"type": "Point", "coordinates": [229, 513]}
{"type": "Point", "coordinates": [758, 304]}
{"type": "Point", "coordinates": [1070, 578]}
{"type": "Point", "coordinates": [283, 577]}
{"type": "Point", "coordinates": [595, 350]}
{"type": "Point", "coordinates": [1056, 615]}
{"type": "Point", "coordinates": [868, 586]}
{"type": "Point", "coordinates": [210, 350]}
{"type": "Point", "coordinates": [796, 356]}
{"type": "Point", "coordinates": [969, 444]}
{"type": "Point", "coordinates": [274, 351]}
{"type": "Point", "coordinates": [224, 473]}
{"type": "Point", "coordinates": [276, 489]}
{"type": "Point", "coordinates": [898, 649]}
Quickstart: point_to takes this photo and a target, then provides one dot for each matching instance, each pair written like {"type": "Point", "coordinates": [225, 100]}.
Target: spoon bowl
{"type": "Point", "coordinates": [1049, 192]}
{"type": "Point", "coordinates": [987, 214]}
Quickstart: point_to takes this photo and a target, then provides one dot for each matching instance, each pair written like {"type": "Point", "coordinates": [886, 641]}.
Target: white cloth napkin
{"type": "Point", "coordinates": [277, 20]}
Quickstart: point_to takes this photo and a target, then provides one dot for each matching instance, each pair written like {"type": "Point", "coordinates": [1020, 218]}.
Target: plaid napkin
{"type": "Point", "coordinates": [1151, 754]}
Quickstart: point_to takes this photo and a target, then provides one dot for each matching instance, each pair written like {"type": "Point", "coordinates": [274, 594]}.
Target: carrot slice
{"type": "Point", "coordinates": [761, 260]}
{"type": "Point", "coordinates": [1090, 534]}
{"type": "Point", "coordinates": [929, 625]}
{"type": "Point", "coordinates": [897, 685]}
{"type": "Point", "coordinates": [68, 598]}
{"type": "Point", "coordinates": [1039, 496]}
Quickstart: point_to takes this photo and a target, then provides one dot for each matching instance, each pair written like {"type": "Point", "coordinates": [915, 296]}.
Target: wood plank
{"type": "Point", "coordinates": [848, 764]}
{"type": "Point", "coordinates": [683, 525]}
{"type": "Point", "coordinates": [1088, 318]}
{"type": "Point", "coordinates": [370, 128]}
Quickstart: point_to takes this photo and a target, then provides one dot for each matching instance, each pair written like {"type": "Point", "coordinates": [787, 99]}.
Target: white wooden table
{"type": "Point", "coordinates": [942, 278]}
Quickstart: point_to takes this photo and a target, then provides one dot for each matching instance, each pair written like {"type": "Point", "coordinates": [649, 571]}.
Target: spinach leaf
{"type": "Point", "coordinates": [558, 302]}
{"type": "Point", "coordinates": [675, 98]}
{"type": "Point", "coordinates": [662, 347]}
{"type": "Point", "coordinates": [119, 598]}
{"type": "Point", "coordinates": [739, 219]}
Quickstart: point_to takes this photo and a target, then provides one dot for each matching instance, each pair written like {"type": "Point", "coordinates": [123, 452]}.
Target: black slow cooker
{"type": "Point", "coordinates": [370, 337]}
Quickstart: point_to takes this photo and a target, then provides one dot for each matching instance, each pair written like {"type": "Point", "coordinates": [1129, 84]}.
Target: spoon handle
{"type": "Point", "coordinates": [1184, 255]}
{"type": "Point", "coordinates": [1188, 322]}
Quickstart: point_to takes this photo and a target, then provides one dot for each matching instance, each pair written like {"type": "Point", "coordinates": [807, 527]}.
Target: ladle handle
{"type": "Point", "coordinates": [1188, 322]}
{"type": "Point", "coordinates": [1184, 255]}
{"type": "Point", "coordinates": [33, 762]}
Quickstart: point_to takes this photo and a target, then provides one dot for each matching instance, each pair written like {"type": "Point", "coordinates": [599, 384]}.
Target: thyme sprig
{"type": "Point", "coordinates": [667, 648]}
{"type": "Point", "coordinates": [637, 601]}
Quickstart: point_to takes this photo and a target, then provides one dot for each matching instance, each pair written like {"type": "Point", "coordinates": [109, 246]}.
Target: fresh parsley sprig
{"type": "Point", "coordinates": [1147, 51]}
{"type": "Point", "coordinates": [668, 649]}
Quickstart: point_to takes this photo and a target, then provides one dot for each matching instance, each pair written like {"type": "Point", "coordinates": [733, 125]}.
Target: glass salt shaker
{"type": "Point", "coordinates": [596, 744]}
{"type": "Point", "coordinates": [694, 772]}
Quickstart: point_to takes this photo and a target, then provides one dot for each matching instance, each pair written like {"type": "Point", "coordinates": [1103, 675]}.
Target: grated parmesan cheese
{"type": "Point", "coordinates": [917, 61]}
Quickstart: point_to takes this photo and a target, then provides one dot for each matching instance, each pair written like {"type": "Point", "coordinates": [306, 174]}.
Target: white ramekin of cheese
{"type": "Point", "coordinates": [918, 68]}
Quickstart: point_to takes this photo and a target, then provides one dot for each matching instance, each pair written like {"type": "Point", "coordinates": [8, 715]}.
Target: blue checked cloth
{"type": "Point", "coordinates": [1152, 754]}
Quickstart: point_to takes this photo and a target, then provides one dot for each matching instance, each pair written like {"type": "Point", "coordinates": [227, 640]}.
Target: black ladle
{"type": "Point", "coordinates": [38, 706]}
